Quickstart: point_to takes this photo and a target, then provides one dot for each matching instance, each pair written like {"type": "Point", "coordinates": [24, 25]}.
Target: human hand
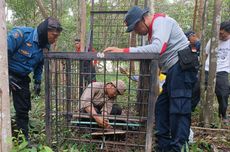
{"type": "Point", "coordinates": [37, 89]}
{"type": "Point", "coordinates": [103, 122]}
{"type": "Point", "coordinates": [113, 50]}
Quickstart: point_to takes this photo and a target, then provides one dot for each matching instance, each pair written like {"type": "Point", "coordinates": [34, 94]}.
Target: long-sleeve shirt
{"type": "Point", "coordinates": [95, 94]}
{"type": "Point", "coordinates": [24, 54]}
{"type": "Point", "coordinates": [166, 38]}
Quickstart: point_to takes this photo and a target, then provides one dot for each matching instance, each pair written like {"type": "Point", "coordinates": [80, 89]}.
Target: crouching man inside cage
{"type": "Point", "coordinates": [99, 98]}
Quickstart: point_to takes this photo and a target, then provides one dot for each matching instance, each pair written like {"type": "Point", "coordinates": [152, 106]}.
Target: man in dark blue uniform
{"type": "Point", "coordinates": [25, 55]}
{"type": "Point", "coordinates": [195, 46]}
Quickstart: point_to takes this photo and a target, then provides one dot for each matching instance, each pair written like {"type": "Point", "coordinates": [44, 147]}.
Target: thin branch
{"type": "Point", "coordinates": [42, 8]}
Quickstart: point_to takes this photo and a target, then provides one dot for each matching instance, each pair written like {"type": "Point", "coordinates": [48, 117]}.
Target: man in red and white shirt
{"type": "Point", "coordinates": [173, 106]}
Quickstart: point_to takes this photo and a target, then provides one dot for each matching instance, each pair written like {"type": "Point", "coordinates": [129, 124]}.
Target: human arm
{"type": "Point", "coordinates": [14, 40]}
{"type": "Point", "coordinates": [37, 77]}
{"type": "Point", "coordinates": [88, 100]}
{"type": "Point", "coordinates": [102, 122]}
{"type": "Point", "coordinates": [161, 32]}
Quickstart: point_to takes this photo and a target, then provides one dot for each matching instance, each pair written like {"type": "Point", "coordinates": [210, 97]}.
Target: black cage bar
{"type": "Point", "coordinates": [132, 131]}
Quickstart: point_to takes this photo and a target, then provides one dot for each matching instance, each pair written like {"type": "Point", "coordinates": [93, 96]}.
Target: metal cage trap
{"type": "Point", "coordinates": [67, 77]}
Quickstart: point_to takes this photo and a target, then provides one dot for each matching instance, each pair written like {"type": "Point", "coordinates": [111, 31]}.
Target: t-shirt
{"type": "Point", "coordinates": [223, 56]}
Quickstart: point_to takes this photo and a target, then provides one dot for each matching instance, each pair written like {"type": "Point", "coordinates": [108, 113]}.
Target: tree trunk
{"type": "Point", "coordinates": [42, 8]}
{"type": "Point", "coordinates": [83, 24]}
{"type": "Point", "coordinates": [78, 18]}
{"type": "Point", "coordinates": [5, 128]}
{"type": "Point", "coordinates": [54, 8]}
{"type": "Point", "coordinates": [203, 58]}
{"type": "Point", "coordinates": [151, 5]}
{"type": "Point", "coordinates": [208, 117]}
{"type": "Point", "coordinates": [195, 16]}
{"type": "Point", "coordinates": [200, 18]}
{"type": "Point", "coordinates": [133, 43]}
{"type": "Point", "coordinates": [54, 15]}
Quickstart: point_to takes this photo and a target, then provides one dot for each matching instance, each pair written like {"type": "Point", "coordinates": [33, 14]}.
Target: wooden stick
{"type": "Point", "coordinates": [107, 133]}
{"type": "Point", "coordinates": [211, 129]}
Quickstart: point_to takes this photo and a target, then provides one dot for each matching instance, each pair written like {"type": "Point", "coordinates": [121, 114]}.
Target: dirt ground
{"type": "Point", "coordinates": [215, 139]}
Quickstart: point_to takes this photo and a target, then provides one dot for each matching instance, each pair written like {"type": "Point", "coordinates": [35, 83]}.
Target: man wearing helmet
{"type": "Point", "coordinates": [99, 98]}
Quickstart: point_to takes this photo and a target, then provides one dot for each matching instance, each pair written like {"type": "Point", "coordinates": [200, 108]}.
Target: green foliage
{"type": "Point", "coordinates": [225, 12]}
{"type": "Point", "coordinates": [86, 136]}
{"type": "Point", "coordinates": [27, 13]}
{"type": "Point", "coordinates": [181, 12]}
{"type": "Point", "coordinates": [21, 145]}
{"type": "Point", "coordinates": [66, 39]}
{"type": "Point", "coordinates": [73, 147]}
{"type": "Point", "coordinates": [19, 142]}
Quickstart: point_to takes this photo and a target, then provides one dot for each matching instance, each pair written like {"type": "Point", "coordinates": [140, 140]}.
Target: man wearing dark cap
{"type": "Point", "coordinates": [25, 55]}
{"type": "Point", "coordinates": [195, 46]}
{"type": "Point", "coordinates": [178, 62]}
{"type": "Point", "coordinates": [194, 41]}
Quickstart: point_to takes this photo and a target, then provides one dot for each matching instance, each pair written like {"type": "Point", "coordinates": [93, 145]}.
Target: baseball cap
{"type": "Point", "coordinates": [133, 16]}
{"type": "Point", "coordinates": [120, 85]}
{"type": "Point", "coordinates": [54, 24]}
{"type": "Point", "coordinates": [189, 33]}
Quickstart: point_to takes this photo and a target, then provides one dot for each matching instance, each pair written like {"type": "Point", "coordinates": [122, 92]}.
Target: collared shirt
{"type": "Point", "coordinates": [24, 54]}
{"type": "Point", "coordinates": [95, 94]}
{"type": "Point", "coordinates": [166, 38]}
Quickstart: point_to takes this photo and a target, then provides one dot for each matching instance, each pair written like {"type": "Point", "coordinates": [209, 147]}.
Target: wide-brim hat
{"type": "Point", "coordinates": [133, 16]}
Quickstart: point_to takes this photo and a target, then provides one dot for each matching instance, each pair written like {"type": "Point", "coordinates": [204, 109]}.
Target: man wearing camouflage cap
{"type": "Point", "coordinates": [102, 98]}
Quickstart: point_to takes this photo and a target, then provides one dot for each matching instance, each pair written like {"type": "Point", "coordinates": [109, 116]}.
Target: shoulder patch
{"type": "Point", "coordinates": [24, 52]}
{"type": "Point", "coordinates": [19, 32]}
{"type": "Point", "coordinates": [16, 35]}
{"type": "Point", "coordinates": [29, 44]}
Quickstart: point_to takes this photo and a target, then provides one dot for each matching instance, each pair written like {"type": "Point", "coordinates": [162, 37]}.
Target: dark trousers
{"type": "Point", "coordinates": [222, 91]}
{"type": "Point", "coordinates": [196, 94]}
{"type": "Point", "coordinates": [173, 109]}
{"type": "Point", "coordinates": [87, 74]}
{"type": "Point", "coordinates": [22, 104]}
{"type": "Point", "coordinates": [116, 110]}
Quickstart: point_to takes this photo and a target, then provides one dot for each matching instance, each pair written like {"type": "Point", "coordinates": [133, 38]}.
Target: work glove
{"type": "Point", "coordinates": [37, 89]}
